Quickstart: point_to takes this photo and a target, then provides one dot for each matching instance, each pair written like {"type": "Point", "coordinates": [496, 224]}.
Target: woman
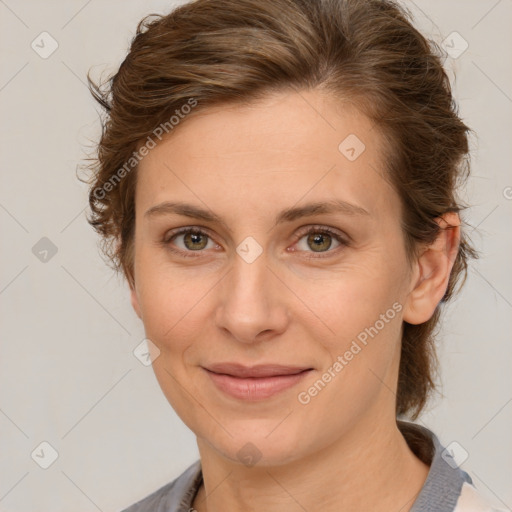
{"type": "Point", "coordinates": [276, 179]}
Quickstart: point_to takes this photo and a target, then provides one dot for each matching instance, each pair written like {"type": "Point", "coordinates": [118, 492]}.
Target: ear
{"type": "Point", "coordinates": [135, 300]}
{"type": "Point", "coordinates": [432, 271]}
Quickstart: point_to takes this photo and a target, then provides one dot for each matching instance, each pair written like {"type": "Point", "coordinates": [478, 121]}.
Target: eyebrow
{"type": "Point", "coordinates": [287, 215]}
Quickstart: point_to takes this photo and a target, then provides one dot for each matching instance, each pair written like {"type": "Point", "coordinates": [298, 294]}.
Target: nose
{"type": "Point", "coordinates": [252, 302]}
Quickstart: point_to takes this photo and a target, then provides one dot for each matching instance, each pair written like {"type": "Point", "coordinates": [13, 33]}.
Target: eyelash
{"type": "Point", "coordinates": [312, 229]}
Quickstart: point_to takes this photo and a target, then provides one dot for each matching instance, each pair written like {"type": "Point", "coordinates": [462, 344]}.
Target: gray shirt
{"type": "Point", "coordinates": [446, 489]}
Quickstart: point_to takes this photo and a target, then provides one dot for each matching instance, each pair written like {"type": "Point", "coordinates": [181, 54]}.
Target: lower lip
{"type": "Point", "coordinates": [257, 388]}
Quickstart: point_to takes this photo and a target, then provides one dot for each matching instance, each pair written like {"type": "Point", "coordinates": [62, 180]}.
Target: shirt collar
{"type": "Point", "coordinates": [445, 479]}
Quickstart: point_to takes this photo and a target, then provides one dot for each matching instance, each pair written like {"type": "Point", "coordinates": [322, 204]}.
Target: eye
{"type": "Point", "coordinates": [192, 240]}
{"type": "Point", "coordinates": [320, 239]}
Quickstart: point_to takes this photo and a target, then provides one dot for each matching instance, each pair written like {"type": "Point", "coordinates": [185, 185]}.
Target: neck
{"type": "Point", "coordinates": [367, 469]}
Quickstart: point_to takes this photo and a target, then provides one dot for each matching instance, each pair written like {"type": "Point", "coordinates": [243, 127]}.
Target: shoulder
{"type": "Point", "coordinates": [470, 500]}
{"type": "Point", "coordinates": [447, 488]}
{"type": "Point", "coordinates": [173, 496]}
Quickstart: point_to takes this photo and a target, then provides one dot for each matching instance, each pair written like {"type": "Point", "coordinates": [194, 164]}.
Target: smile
{"type": "Point", "coordinates": [256, 383]}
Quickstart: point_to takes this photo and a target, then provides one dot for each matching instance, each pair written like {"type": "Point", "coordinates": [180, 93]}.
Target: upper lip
{"type": "Point", "coordinates": [260, 370]}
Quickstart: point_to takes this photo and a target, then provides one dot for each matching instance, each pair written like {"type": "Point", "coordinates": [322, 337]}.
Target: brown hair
{"type": "Point", "coordinates": [227, 51]}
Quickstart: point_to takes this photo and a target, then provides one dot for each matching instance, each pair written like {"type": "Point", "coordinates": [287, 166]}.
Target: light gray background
{"type": "Point", "coordinates": [68, 374]}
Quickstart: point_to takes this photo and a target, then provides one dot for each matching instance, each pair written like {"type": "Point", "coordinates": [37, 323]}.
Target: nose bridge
{"type": "Point", "coordinates": [248, 277]}
{"type": "Point", "coordinates": [250, 303]}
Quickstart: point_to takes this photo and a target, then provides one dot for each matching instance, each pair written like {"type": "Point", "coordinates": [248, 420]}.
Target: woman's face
{"type": "Point", "coordinates": [254, 288]}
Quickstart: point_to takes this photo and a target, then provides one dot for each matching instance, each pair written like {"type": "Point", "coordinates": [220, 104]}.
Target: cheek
{"type": "Point", "coordinates": [365, 326]}
{"type": "Point", "coordinates": [362, 307]}
{"type": "Point", "coordinates": [360, 371]}
{"type": "Point", "coordinates": [353, 297]}
{"type": "Point", "coordinates": [170, 303]}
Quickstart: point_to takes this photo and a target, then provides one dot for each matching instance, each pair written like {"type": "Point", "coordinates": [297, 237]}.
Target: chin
{"type": "Point", "coordinates": [261, 443]}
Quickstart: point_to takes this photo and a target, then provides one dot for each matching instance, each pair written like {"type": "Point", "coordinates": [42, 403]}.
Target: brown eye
{"type": "Point", "coordinates": [188, 241]}
{"type": "Point", "coordinates": [319, 242]}
{"type": "Point", "coordinates": [195, 241]}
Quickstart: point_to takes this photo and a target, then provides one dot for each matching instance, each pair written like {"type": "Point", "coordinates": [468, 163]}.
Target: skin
{"type": "Point", "coordinates": [246, 164]}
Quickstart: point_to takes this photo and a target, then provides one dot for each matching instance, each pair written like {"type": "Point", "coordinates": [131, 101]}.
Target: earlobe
{"type": "Point", "coordinates": [433, 269]}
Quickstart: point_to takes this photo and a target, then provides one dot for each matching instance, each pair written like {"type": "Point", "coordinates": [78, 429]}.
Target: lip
{"type": "Point", "coordinates": [255, 382]}
{"type": "Point", "coordinates": [257, 371]}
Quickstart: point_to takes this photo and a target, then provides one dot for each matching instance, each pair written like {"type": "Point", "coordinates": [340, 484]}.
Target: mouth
{"type": "Point", "coordinates": [256, 382]}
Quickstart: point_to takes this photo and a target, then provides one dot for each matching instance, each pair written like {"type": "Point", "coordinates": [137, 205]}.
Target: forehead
{"type": "Point", "coordinates": [287, 146]}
